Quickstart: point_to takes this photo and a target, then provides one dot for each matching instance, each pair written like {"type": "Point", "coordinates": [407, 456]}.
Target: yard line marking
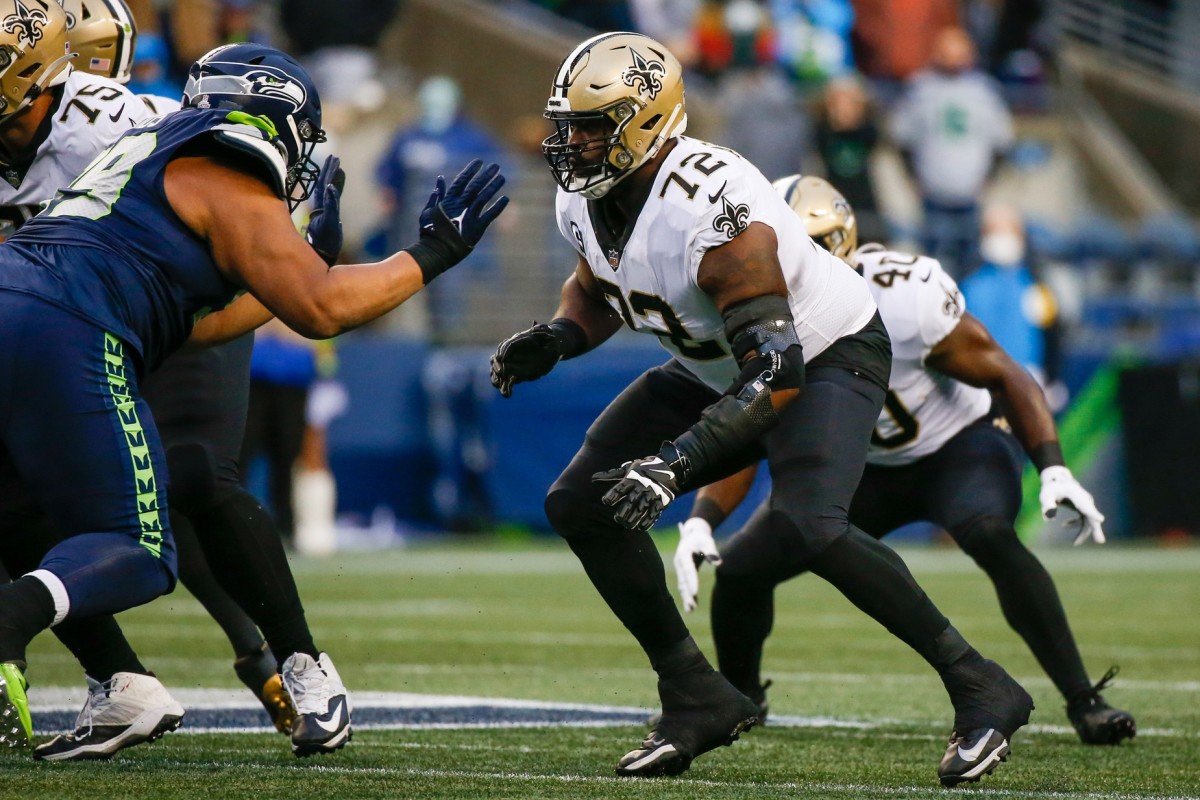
{"type": "Point", "coordinates": [236, 711]}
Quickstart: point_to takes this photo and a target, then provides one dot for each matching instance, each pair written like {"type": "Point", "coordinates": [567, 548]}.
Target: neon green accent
{"type": "Point", "coordinates": [260, 122]}
{"type": "Point", "coordinates": [135, 439]}
{"type": "Point", "coordinates": [98, 188]}
{"type": "Point", "coordinates": [1086, 429]}
{"type": "Point", "coordinates": [16, 732]}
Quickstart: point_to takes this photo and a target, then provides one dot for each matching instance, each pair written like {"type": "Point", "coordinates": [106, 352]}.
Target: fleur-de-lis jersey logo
{"type": "Point", "coordinates": [732, 219]}
{"type": "Point", "coordinates": [644, 77]}
{"type": "Point", "coordinates": [26, 24]}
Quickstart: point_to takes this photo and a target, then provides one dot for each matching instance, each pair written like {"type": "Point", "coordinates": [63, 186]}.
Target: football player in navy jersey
{"type": "Point", "coordinates": [179, 234]}
{"type": "Point", "coordinates": [939, 452]}
{"type": "Point", "coordinates": [775, 346]}
{"type": "Point", "coordinates": [198, 399]}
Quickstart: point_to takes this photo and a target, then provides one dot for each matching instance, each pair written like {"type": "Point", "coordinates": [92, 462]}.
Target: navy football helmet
{"type": "Point", "coordinates": [264, 82]}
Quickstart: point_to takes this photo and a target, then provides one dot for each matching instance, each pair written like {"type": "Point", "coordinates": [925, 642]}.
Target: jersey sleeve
{"type": "Point", "coordinates": [940, 307]}
{"type": "Point", "coordinates": [725, 203]}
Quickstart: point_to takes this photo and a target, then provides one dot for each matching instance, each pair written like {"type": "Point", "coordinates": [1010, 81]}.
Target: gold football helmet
{"type": "Point", "coordinates": [625, 92]}
{"type": "Point", "coordinates": [103, 33]}
{"type": "Point", "coordinates": [827, 216]}
{"type": "Point", "coordinates": [33, 51]}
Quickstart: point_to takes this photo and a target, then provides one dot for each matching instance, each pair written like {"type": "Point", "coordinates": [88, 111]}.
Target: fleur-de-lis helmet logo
{"type": "Point", "coordinates": [732, 219]}
{"type": "Point", "coordinates": [644, 77]}
{"type": "Point", "coordinates": [26, 24]}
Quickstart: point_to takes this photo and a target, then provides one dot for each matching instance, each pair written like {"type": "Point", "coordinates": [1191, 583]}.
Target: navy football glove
{"type": "Point", "coordinates": [454, 219]}
{"type": "Point", "coordinates": [644, 488]}
{"type": "Point", "coordinates": [530, 354]}
{"type": "Point", "coordinates": [325, 223]}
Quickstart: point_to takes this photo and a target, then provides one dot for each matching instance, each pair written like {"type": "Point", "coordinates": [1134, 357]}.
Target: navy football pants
{"type": "Point", "coordinates": [77, 439]}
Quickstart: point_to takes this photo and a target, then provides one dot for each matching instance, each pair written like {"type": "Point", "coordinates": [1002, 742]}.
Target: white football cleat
{"type": "Point", "coordinates": [127, 709]}
{"type": "Point", "coordinates": [322, 704]}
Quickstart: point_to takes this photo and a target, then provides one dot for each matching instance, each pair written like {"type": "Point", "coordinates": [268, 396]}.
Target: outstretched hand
{"type": "Point", "coordinates": [325, 222]}
{"type": "Point", "coordinates": [456, 216]}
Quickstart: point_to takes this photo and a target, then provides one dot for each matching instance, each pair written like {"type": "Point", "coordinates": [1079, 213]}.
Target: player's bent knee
{"type": "Point", "coordinates": [574, 514]}
{"type": "Point", "coordinates": [988, 538]}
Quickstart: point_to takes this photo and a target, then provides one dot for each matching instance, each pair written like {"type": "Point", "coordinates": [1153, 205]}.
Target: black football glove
{"type": "Point", "coordinates": [530, 354]}
{"type": "Point", "coordinates": [644, 488]}
{"type": "Point", "coordinates": [325, 223]}
{"type": "Point", "coordinates": [454, 219]}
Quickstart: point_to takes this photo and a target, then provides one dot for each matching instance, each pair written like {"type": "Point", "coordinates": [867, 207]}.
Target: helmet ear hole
{"type": "Point", "coordinates": [652, 123]}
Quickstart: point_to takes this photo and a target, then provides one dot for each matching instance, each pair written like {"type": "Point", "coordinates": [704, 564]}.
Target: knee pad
{"type": "Point", "coordinates": [193, 469]}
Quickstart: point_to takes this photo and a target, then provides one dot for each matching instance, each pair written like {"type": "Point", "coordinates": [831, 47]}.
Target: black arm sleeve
{"type": "Point", "coordinates": [762, 333]}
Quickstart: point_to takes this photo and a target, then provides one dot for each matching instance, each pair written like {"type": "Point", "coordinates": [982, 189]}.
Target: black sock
{"type": "Point", "coordinates": [743, 611]}
{"type": "Point", "coordinates": [238, 536]}
{"type": "Point", "coordinates": [26, 609]}
{"type": "Point", "coordinates": [877, 581]}
{"type": "Point", "coordinates": [1029, 600]}
{"type": "Point", "coordinates": [679, 658]}
{"type": "Point", "coordinates": [100, 646]}
{"type": "Point", "coordinates": [195, 574]}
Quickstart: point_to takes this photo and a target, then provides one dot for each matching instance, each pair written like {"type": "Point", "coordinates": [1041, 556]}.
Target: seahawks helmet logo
{"type": "Point", "coordinates": [26, 24]}
{"type": "Point", "coordinates": [733, 219]}
{"type": "Point", "coordinates": [273, 83]}
{"type": "Point", "coordinates": [644, 77]}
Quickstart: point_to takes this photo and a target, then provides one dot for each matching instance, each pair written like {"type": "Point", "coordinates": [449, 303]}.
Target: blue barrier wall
{"type": "Point", "coordinates": [427, 436]}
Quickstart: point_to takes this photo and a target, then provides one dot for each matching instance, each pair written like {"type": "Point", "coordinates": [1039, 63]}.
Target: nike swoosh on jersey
{"type": "Point", "coordinates": [117, 116]}
{"type": "Point", "coordinates": [928, 275]}
{"type": "Point", "coordinates": [712, 198]}
{"type": "Point", "coordinates": [972, 755]}
{"type": "Point", "coordinates": [332, 720]}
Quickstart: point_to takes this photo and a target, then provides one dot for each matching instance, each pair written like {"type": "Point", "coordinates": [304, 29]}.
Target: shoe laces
{"type": "Point", "coordinates": [97, 701]}
{"type": "Point", "coordinates": [310, 689]}
{"type": "Point", "coordinates": [1091, 698]}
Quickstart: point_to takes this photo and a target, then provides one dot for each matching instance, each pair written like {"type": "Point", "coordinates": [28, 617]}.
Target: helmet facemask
{"type": "Point", "coordinates": [626, 90]}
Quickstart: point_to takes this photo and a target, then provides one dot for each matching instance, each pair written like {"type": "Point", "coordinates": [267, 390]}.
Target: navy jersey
{"type": "Point", "coordinates": [110, 249]}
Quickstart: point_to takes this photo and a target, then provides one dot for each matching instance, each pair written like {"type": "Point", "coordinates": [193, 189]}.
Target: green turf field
{"type": "Point", "coordinates": [860, 715]}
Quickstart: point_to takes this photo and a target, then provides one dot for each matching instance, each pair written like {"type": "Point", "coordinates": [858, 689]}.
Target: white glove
{"type": "Point", "coordinates": [696, 546]}
{"type": "Point", "coordinates": [1059, 488]}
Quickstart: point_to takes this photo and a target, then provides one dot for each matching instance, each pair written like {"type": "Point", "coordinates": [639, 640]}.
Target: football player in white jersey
{"type": "Point", "coordinates": [776, 348]}
{"type": "Point", "coordinates": [938, 453]}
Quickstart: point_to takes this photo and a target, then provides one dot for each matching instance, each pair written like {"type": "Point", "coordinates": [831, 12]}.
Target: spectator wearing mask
{"type": "Point", "coordinates": [952, 127]}
{"type": "Point", "coordinates": [441, 137]}
{"type": "Point", "coordinates": [1004, 294]}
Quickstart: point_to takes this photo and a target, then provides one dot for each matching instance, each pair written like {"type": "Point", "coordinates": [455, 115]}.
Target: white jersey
{"type": "Point", "coordinates": [92, 114]}
{"type": "Point", "coordinates": [703, 196]}
{"type": "Point", "coordinates": [159, 105]}
{"type": "Point", "coordinates": [920, 305]}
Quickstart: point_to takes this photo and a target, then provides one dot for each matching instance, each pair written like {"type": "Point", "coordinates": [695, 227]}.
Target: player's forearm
{"type": "Point", "coordinates": [716, 501]}
{"type": "Point", "coordinates": [350, 295]}
{"type": "Point", "coordinates": [595, 318]}
{"type": "Point", "coordinates": [238, 318]}
{"type": "Point", "coordinates": [1029, 415]}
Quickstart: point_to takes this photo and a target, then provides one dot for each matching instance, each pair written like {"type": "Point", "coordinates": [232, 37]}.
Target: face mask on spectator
{"type": "Point", "coordinates": [1003, 248]}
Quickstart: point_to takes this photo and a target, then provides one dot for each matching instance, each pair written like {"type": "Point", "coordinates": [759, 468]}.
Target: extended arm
{"type": "Point", "coordinates": [713, 504]}
{"type": "Point", "coordinates": [239, 317]}
{"type": "Point", "coordinates": [971, 355]}
{"type": "Point", "coordinates": [583, 321]}
{"type": "Point", "coordinates": [254, 243]}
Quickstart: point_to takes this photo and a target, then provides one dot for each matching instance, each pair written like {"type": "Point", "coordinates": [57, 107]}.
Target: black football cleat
{"type": "Point", "coordinates": [1096, 721]}
{"type": "Point", "coordinates": [989, 707]}
{"type": "Point", "coordinates": [759, 697]}
{"type": "Point", "coordinates": [701, 711]}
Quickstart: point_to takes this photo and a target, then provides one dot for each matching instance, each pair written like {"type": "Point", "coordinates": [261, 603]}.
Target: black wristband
{"type": "Point", "coordinates": [440, 247]}
{"type": "Point", "coordinates": [1047, 454]}
{"type": "Point", "coordinates": [572, 339]}
{"type": "Point", "coordinates": [709, 511]}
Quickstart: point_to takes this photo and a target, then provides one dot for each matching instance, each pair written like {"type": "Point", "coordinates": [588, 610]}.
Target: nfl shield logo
{"type": "Point", "coordinates": [614, 258]}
